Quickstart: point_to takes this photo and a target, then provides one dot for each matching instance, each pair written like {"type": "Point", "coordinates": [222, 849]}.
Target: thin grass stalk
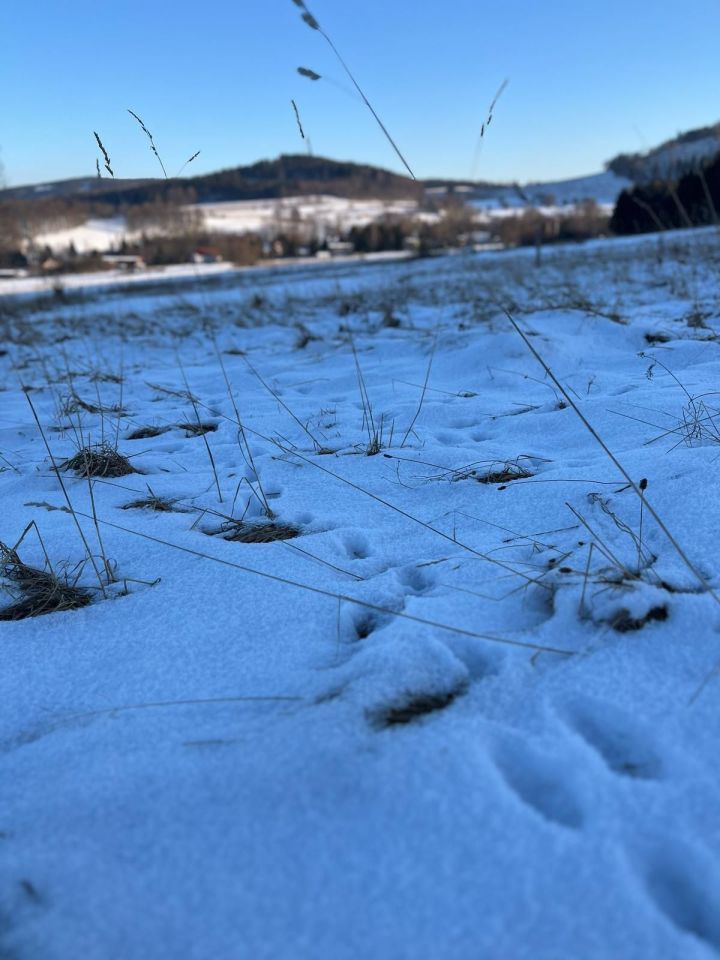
{"type": "Point", "coordinates": [282, 403]}
{"type": "Point", "coordinates": [244, 446]}
{"type": "Point", "coordinates": [73, 512]}
{"type": "Point", "coordinates": [422, 395]}
{"type": "Point", "coordinates": [311, 21]}
{"type": "Point", "coordinates": [193, 403]}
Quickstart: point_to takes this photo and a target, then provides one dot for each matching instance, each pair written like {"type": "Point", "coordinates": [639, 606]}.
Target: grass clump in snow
{"type": "Point", "coordinates": [154, 502]}
{"type": "Point", "coordinates": [414, 707]}
{"type": "Point", "coordinates": [98, 460]}
{"type": "Point", "coordinates": [37, 592]}
{"type": "Point", "coordinates": [497, 473]}
{"type": "Point", "coordinates": [147, 433]}
{"type": "Point", "coordinates": [624, 622]}
{"type": "Point", "coordinates": [266, 532]}
{"type": "Point", "coordinates": [197, 429]}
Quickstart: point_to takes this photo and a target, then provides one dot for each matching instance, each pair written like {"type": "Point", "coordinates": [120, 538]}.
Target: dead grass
{"type": "Point", "coordinates": [414, 707]}
{"type": "Point", "coordinates": [197, 429]}
{"type": "Point", "coordinates": [270, 532]}
{"type": "Point", "coordinates": [75, 404]}
{"type": "Point", "coordinates": [153, 502]}
{"type": "Point", "coordinates": [38, 591]}
{"type": "Point", "coordinates": [500, 473]}
{"type": "Point", "coordinates": [100, 460]}
{"type": "Point", "coordinates": [146, 433]}
{"type": "Point", "coordinates": [624, 622]}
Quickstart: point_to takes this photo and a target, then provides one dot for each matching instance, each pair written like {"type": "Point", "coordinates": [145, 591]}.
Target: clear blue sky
{"type": "Point", "coordinates": [587, 80]}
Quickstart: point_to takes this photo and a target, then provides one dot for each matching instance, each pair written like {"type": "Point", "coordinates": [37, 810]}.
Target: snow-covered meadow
{"type": "Point", "coordinates": [377, 652]}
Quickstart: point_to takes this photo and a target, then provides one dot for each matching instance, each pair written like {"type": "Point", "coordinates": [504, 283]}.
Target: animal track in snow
{"type": "Point", "coordinates": [541, 783]}
{"type": "Point", "coordinates": [478, 660]}
{"type": "Point", "coordinates": [417, 582]}
{"type": "Point", "coordinates": [687, 890]}
{"type": "Point", "coordinates": [616, 738]}
{"type": "Point", "coordinates": [357, 545]}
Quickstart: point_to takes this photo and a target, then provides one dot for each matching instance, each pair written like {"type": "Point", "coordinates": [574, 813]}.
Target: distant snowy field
{"type": "Point", "coordinates": [452, 717]}
{"type": "Point", "coordinates": [267, 217]}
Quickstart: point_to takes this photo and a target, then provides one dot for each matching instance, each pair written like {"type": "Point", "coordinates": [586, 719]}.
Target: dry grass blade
{"type": "Point", "coordinates": [152, 142]}
{"type": "Point", "coordinates": [105, 155]}
{"type": "Point", "coordinates": [201, 431]}
{"type": "Point", "coordinates": [245, 448]}
{"type": "Point", "coordinates": [311, 21]}
{"type": "Point", "coordinates": [56, 470]}
{"type": "Point", "coordinates": [297, 119]}
{"type": "Point", "coordinates": [485, 125]}
{"type": "Point", "coordinates": [276, 395]}
{"type": "Point", "coordinates": [187, 162]}
{"type": "Point", "coordinates": [422, 395]}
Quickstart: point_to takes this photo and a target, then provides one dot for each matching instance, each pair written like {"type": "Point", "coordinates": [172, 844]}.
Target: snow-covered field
{"type": "Point", "coordinates": [456, 716]}
{"type": "Point", "coordinates": [325, 213]}
{"type": "Point", "coordinates": [323, 216]}
{"type": "Point", "coordinates": [320, 215]}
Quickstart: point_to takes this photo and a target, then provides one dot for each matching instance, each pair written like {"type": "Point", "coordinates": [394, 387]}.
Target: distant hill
{"type": "Point", "coordinates": [303, 175]}
{"type": "Point", "coordinates": [671, 159]}
{"type": "Point", "coordinates": [285, 176]}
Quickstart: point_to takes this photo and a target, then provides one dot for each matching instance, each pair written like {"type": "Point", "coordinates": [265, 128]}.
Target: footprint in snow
{"type": "Point", "coordinates": [686, 889]}
{"type": "Point", "coordinates": [479, 661]}
{"type": "Point", "coordinates": [356, 545]}
{"type": "Point", "coordinates": [616, 738]}
{"type": "Point", "coordinates": [541, 782]}
{"type": "Point", "coordinates": [416, 580]}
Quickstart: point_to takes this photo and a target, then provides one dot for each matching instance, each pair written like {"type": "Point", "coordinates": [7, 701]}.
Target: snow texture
{"type": "Point", "coordinates": [455, 716]}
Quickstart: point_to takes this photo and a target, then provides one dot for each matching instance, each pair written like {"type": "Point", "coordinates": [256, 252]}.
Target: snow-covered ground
{"type": "Point", "coordinates": [101, 235]}
{"type": "Point", "coordinates": [604, 188]}
{"type": "Point", "coordinates": [321, 215]}
{"type": "Point", "coordinates": [326, 213]}
{"type": "Point", "coordinates": [455, 717]}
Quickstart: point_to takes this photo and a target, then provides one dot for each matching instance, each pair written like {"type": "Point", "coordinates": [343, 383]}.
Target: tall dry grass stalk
{"type": "Point", "coordinates": [313, 23]}
{"type": "Point", "coordinates": [152, 142]}
{"type": "Point", "coordinates": [483, 129]}
{"type": "Point", "coordinates": [106, 156]}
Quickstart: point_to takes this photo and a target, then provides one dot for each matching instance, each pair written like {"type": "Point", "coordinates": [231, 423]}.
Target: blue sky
{"type": "Point", "coordinates": [587, 80]}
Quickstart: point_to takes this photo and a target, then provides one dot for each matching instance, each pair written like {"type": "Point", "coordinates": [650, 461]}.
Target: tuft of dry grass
{"type": "Point", "coordinates": [624, 622]}
{"type": "Point", "coordinates": [198, 429]}
{"type": "Point", "coordinates": [39, 591]}
{"type": "Point", "coordinates": [414, 707]}
{"type": "Point", "coordinates": [74, 404]}
{"type": "Point", "coordinates": [153, 502]}
{"type": "Point", "coordinates": [498, 473]}
{"type": "Point", "coordinates": [146, 433]}
{"type": "Point", "coordinates": [99, 460]}
{"type": "Point", "coordinates": [266, 532]}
